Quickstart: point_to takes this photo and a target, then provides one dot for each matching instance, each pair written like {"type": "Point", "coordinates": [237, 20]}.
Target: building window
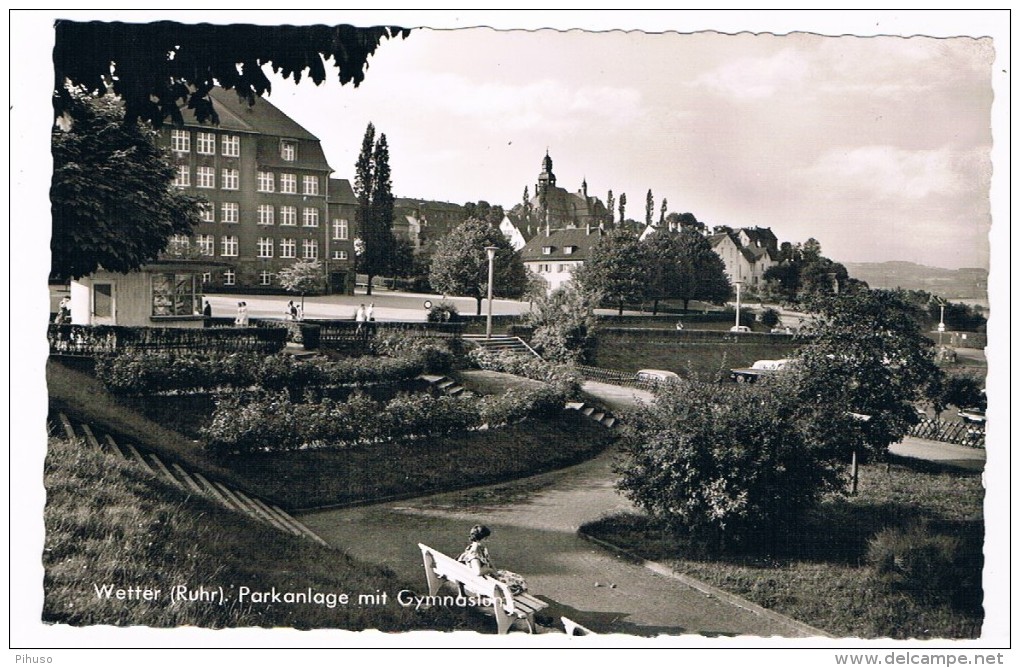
{"type": "Point", "coordinates": [267, 182]}
{"type": "Point", "coordinates": [560, 268]}
{"type": "Point", "coordinates": [288, 248]}
{"type": "Point", "coordinates": [229, 277]}
{"type": "Point", "coordinates": [206, 277]}
{"type": "Point", "coordinates": [288, 183]}
{"type": "Point", "coordinates": [568, 250]}
{"type": "Point", "coordinates": [288, 215]}
{"type": "Point", "coordinates": [265, 278]}
{"type": "Point", "coordinates": [339, 255]}
{"type": "Point", "coordinates": [340, 229]}
{"type": "Point", "coordinates": [205, 143]}
{"type": "Point", "coordinates": [228, 246]}
{"type": "Point", "coordinates": [180, 141]}
{"type": "Point", "coordinates": [206, 212]}
{"type": "Point", "coordinates": [206, 244]}
{"type": "Point", "coordinates": [266, 214]}
{"type": "Point", "coordinates": [229, 212]}
{"type": "Point", "coordinates": [183, 177]}
{"type": "Point", "coordinates": [265, 247]}
{"type": "Point", "coordinates": [310, 185]}
{"type": "Point", "coordinates": [288, 150]}
{"type": "Point", "coordinates": [176, 294]}
{"type": "Point", "coordinates": [231, 146]}
{"type": "Point", "coordinates": [310, 249]}
{"type": "Point", "coordinates": [230, 179]}
{"type": "Point", "coordinates": [179, 244]}
{"type": "Point", "coordinates": [547, 250]}
{"type": "Point", "coordinates": [310, 217]}
{"type": "Point", "coordinates": [206, 177]}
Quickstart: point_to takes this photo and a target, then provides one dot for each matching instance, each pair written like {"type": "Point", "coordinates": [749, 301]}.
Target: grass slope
{"type": "Point", "coordinates": [821, 575]}
{"type": "Point", "coordinates": [110, 523]}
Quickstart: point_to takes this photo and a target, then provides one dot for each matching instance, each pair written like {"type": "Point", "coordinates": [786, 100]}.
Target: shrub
{"type": "Point", "coordinates": [564, 378]}
{"type": "Point", "coordinates": [517, 403]}
{"type": "Point", "coordinates": [444, 312]}
{"type": "Point", "coordinates": [769, 317]}
{"type": "Point", "coordinates": [434, 355]}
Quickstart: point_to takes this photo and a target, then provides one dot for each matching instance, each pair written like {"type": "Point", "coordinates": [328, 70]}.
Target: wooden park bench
{"type": "Point", "coordinates": [507, 606]}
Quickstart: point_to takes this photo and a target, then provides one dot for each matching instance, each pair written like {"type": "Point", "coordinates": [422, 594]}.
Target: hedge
{"type": "Point", "coordinates": [564, 378]}
{"type": "Point", "coordinates": [146, 373]}
{"type": "Point", "coordinates": [271, 422]}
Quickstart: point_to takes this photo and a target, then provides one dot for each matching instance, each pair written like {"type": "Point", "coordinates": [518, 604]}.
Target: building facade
{"type": "Point", "coordinates": [554, 256]}
{"type": "Point", "coordinates": [747, 253]}
{"type": "Point", "coordinates": [267, 183]}
{"type": "Point", "coordinates": [555, 208]}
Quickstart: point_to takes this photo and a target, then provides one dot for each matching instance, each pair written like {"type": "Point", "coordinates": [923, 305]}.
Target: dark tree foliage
{"type": "Point", "coordinates": [154, 67]}
{"type": "Point", "coordinates": [610, 212]}
{"type": "Point", "coordinates": [374, 216]}
{"type": "Point", "coordinates": [623, 207]}
{"type": "Point", "coordinates": [649, 207]}
{"type": "Point", "coordinates": [615, 270]}
{"type": "Point", "coordinates": [460, 264]}
{"type": "Point", "coordinates": [682, 265]}
{"type": "Point", "coordinates": [112, 198]}
{"type": "Point", "coordinates": [869, 357]}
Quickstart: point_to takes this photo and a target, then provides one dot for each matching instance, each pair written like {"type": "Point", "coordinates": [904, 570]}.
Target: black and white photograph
{"type": "Point", "coordinates": [469, 330]}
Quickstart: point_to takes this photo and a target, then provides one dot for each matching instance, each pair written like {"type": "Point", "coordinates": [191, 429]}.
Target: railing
{"type": "Point", "coordinates": [608, 376]}
{"type": "Point", "coordinates": [92, 340]}
{"type": "Point", "coordinates": [333, 331]}
{"type": "Point", "coordinates": [950, 432]}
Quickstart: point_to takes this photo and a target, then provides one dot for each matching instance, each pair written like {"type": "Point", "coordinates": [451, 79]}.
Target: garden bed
{"type": "Point", "coordinates": [822, 575]}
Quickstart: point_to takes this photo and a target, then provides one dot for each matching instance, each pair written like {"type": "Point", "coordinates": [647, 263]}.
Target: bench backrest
{"type": "Point", "coordinates": [455, 571]}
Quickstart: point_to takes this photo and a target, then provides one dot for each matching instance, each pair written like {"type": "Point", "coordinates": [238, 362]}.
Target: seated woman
{"type": "Point", "coordinates": [476, 556]}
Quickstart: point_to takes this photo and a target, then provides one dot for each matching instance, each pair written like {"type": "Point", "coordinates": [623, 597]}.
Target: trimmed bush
{"type": "Point", "coordinates": [564, 378]}
{"type": "Point", "coordinates": [434, 355]}
{"type": "Point", "coordinates": [517, 403]}
{"type": "Point", "coordinates": [444, 312]}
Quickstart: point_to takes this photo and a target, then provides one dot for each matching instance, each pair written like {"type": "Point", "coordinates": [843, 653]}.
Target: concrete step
{"type": "Point", "coordinates": [588, 410]}
{"type": "Point", "coordinates": [159, 466]}
{"type": "Point", "coordinates": [211, 491]}
{"type": "Point", "coordinates": [597, 416]}
{"type": "Point", "coordinates": [68, 429]}
{"type": "Point", "coordinates": [609, 421]}
{"type": "Point", "coordinates": [90, 438]}
{"type": "Point", "coordinates": [186, 478]}
{"type": "Point", "coordinates": [454, 391]}
{"type": "Point", "coordinates": [114, 448]}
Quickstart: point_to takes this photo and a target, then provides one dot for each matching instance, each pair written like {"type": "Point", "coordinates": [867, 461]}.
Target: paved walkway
{"type": "Point", "coordinates": [534, 523]}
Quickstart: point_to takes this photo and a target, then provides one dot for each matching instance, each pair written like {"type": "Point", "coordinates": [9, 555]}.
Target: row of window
{"type": "Point", "coordinates": [265, 247]}
{"type": "Point", "coordinates": [230, 213]}
{"type": "Point", "coordinates": [548, 268]}
{"type": "Point", "coordinates": [205, 177]}
{"type": "Point", "coordinates": [230, 145]}
{"type": "Point", "coordinates": [288, 183]}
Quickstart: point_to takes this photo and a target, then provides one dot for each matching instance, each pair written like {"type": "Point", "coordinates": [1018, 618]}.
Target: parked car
{"type": "Point", "coordinates": [972, 416]}
{"type": "Point", "coordinates": [656, 376]}
{"type": "Point", "coordinates": [759, 368]}
{"type": "Point", "coordinates": [740, 329]}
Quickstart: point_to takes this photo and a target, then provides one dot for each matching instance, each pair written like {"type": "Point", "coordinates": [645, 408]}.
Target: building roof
{"type": "Point", "coordinates": [261, 117]}
{"type": "Point", "coordinates": [580, 239]}
{"type": "Point", "coordinates": [341, 192]}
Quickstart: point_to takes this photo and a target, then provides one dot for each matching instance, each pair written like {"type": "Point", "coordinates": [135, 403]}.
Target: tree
{"type": "Point", "coordinates": [682, 265]}
{"type": "Point", "coordinates": [649, 207]}
{"type": "Point", "coordinates": [155, 67]}
{"type": "Point", "coordinates": [564, 325]}
{"type": "Point", "coordinates": [112, 196]}
{"type": "Point", "coordinates": [662, 211]}
{"type": "Point", "coordinates": [374, 215]}
{"type": "Point", "coordinates": [615, 270]}
{"type": "Point", "coordinates": [868, 357]}
{"type": "Point", "coordinates": [735, 464]}
{"type": "Point", "coordinates": [609, 208]}
{"type": "Point", "coordinates": [460, 265]}
{"type": "Point", "coordinates": [304, 276]}
{"type": "Point", "coordinates": [623, 207]}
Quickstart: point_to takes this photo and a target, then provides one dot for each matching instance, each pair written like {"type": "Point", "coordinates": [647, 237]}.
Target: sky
{"type": "Point", "coordinates": [879, 147]}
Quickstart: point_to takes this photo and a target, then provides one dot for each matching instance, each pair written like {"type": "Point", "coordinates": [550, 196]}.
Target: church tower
{"type": "Point", "coordinates": [546, 178]}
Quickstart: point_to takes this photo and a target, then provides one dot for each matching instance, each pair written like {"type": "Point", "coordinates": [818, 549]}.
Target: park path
{"type": "Point", "coordinates": [535, 523]}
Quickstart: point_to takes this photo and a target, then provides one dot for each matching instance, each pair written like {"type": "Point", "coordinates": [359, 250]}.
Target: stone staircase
{"type": "Point", "coordinates": [449, 386]}
{"type": "Point", "coordinates": [192, 482]}
{"type": "Point", "coordinates": [501, 342]}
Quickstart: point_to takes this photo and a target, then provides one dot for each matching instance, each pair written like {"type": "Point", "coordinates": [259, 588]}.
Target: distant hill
{"type": "Point", "coordinates": [966, 283]}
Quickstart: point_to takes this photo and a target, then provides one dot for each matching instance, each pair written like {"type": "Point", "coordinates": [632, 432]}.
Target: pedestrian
{"type": "Point", "coordinates": [242, 315]}
{"type": "Point", "coordinates": [291, 313]}
{"type": "Point", "coordinates": [476, 557]}
{"type": "Point", "coordinates": [360, 318]}
{"type": "Point", "coordinates": [207, 309]}
{"type": "Point", "coordinates": [64, 311]}
{"type": "Point", "coordinates": [299, 312]}
{"type": "Point", "coordinates": [370, 314]}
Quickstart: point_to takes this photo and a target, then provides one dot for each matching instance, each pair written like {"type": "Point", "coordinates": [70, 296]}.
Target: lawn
{"type": "Point", "coordinates": [110, 523]}
{"type": "Point", "coordinates": [689, 359]}
{"type": "Point", "coordinates": [821, 576]}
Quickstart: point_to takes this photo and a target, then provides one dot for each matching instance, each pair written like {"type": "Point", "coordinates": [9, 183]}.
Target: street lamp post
{"type": "Point", "coordinates": [738, 284]}
{"type": "Point", "coordinates": [942, 321]}
{"type": "Point", "coordinates": [491, 251]}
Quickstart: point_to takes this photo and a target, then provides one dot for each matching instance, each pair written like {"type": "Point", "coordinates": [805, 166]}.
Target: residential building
{"type": "Point", "coordinates": [267, 182]}
{"type": "Point", "coordinates": [747, 253]}
{"type": "Point", "coordinates": [555, 255]}
{"type": "Point", "coordinates": [424, 221]}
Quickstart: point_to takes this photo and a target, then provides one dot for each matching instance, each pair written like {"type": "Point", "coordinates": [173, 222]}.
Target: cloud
{"type": "Point", "coordinates": [887, 172]}
{"type": "Point", "coordinates": [757, 77]}
{"type": "Point", "coordinates": [548, 104]}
